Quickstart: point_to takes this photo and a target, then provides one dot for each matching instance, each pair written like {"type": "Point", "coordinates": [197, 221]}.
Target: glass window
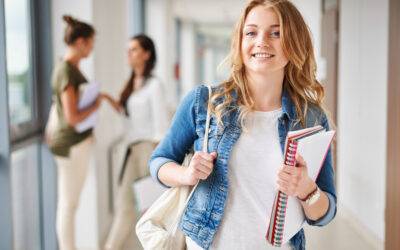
{"type": "Point", "coordinates": [25, 197]}
{"type": "Point", "coordinates": [30, 213]}
{"type": "Point", "coordinates": [17, 17]}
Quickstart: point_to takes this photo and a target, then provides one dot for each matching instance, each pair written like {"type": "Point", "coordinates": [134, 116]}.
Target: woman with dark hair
{"type": "Point", "coordinates": [71, 149]}
{"type": "Point", "coordinates": [142, 101]}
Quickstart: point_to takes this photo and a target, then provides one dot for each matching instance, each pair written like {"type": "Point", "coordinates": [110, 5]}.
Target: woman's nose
{"type": "Point", "coordinates": [263, 41]}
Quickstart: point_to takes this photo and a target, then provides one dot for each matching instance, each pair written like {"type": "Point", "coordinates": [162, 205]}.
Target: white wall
{"type": "Point", "coordinates": [188, 66]}
{"type": "Point", "coordinates": [160, 27]}
{"type": "Point", "coordinates": [363, 57]}
{"type": "Point", "coordinates": [111, 71]}
{"type": "Point", "coordinates": [108, 66]}
{"type": "Point", "coordinates": [311, 11]}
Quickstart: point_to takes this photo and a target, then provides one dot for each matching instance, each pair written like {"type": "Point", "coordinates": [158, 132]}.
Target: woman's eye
{"type": "Point", "coordinates": [250, 33]}
{"type": "Point", "coordinates": [275, 34]}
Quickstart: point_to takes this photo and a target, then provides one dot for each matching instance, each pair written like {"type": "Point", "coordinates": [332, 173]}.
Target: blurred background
{"type": "Point", "coordinates": [358, 55]}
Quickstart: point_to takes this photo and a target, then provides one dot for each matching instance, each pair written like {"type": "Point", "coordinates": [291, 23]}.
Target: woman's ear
{"type": "Point", "coordinates": [147, 55]}
{"type": "Point", "coordinates": [79, 42]}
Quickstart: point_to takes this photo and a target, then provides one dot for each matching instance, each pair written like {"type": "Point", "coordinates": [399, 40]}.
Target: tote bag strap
{"type": "Point", "coordinates": [204, 149]}
{"type": "Point", "coordinates": [205, 141]}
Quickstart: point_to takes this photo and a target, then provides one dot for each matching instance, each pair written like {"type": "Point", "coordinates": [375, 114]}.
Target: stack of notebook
{"type": "Point", "coordinates": [287, 216]}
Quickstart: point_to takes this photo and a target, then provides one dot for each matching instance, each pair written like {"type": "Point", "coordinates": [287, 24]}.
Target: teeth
{"type": "Point", "coordinates": [263, 55]}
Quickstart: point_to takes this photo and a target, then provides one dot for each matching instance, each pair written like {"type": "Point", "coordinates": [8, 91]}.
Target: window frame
{"type": "Point", "coordinates": [34, 127]}
{"type": "Point", "coordinates": [6, 235]}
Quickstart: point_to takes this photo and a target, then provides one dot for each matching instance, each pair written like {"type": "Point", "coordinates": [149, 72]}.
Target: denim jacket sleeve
{"type": "Point", "coordinates": [325, 182]}
{"type": "Point", "coordinates": [179, 138]}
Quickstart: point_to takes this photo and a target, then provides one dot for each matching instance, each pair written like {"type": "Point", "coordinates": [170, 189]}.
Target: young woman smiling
{"type": "Point", "coordinates": [272, 89]}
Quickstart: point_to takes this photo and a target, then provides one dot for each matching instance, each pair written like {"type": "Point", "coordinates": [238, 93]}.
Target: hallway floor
{"type": "Point", "coordinates": [340, 234]}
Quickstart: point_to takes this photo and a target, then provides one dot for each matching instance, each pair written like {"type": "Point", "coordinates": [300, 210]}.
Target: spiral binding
{"type": "Point", "coordinates": [275, 232]}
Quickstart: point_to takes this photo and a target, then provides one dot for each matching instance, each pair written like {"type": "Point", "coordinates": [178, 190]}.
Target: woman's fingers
{"type": "Point", "coordinates": [201, 175]}
{"type": "Point", "coordinates": [289, 178]}
{"type": "Point", "coordinates": [202, 164]}
{"type": "Point", "coordinates": [290, 170]}
{"type": "Point", "coordinates": [300, 161]}
{"type": "Point", "coordinates": [196, 174]}
{"type": "Point", "coordinates": [207, 164]}
{"type": "Point", "coordinates": [204, 169]}
{"type": "Point", "coordinates": [206, 156]}
{"type": "Point", "coordinates": [292, 180]}
{"type": "Point", "coordinates": [284, 176]}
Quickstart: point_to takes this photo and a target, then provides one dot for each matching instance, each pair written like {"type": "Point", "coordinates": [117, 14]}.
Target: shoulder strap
{"type": "Point", "coordinates": [204, 149]}
{"type": "Point", "coordinates": [205, 142]}
{"type": "Point", "coordinates": [207, 129]}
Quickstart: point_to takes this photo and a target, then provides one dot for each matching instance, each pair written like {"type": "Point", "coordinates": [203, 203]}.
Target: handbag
{"type": "Point", "coordinates": [158, 226]}
{"type": "Point", "coordinates": [51, 125]}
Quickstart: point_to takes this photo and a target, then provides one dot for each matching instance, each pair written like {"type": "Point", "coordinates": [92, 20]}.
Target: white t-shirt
{"type": "Point", "coordinates": [253, 165]}
{"type": "Point", "coordinates": [147, 113]}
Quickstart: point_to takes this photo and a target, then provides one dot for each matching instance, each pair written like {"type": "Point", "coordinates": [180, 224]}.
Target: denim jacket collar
{"type": "Point", "coordinates": [288, 108]}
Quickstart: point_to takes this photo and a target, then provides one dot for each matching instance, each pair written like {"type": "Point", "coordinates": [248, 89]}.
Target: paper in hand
{"type": "Point", "coordinates": [87, 96]}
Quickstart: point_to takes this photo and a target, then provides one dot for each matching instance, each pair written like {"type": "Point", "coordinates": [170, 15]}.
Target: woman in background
{"type": "Point", "coordinates": [142, 100]}
{"type": "Point", "coordinates": [71, 149]}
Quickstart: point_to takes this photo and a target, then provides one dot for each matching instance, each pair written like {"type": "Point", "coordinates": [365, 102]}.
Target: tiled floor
{"type": "Point", "coordinates": [340, 234]}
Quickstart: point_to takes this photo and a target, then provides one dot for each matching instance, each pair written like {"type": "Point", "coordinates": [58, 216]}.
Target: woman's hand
{"type": "Point", "coordinates": [70, 100]}
{"type": "Point", "coordinates": [295, 181]}
{"type": "Point", "coordinates": [112, 102]}
{"type": "Point", "coordinates": [200, 167]}
{"type": "Point", "coordinates": [97, 102]}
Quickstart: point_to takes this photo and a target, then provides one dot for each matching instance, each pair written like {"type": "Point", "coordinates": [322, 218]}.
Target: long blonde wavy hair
{"type": "Point", "coordinates": [300, 73]}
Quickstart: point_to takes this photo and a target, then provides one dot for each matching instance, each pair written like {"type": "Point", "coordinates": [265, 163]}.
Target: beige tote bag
{"type": "Point", "coordinates": [158, 227]}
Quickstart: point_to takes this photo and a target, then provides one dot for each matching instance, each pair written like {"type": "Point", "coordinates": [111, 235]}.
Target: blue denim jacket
{"type": "Point", "coordinates": [206, 207]}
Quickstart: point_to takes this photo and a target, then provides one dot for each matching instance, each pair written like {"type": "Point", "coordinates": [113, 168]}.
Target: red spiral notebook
{"type": "Point", "coordinates": [287, 216]}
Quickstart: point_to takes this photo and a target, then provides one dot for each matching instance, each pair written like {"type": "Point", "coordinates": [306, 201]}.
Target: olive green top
{"type": "Point", "coordinates": [64, 136]}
